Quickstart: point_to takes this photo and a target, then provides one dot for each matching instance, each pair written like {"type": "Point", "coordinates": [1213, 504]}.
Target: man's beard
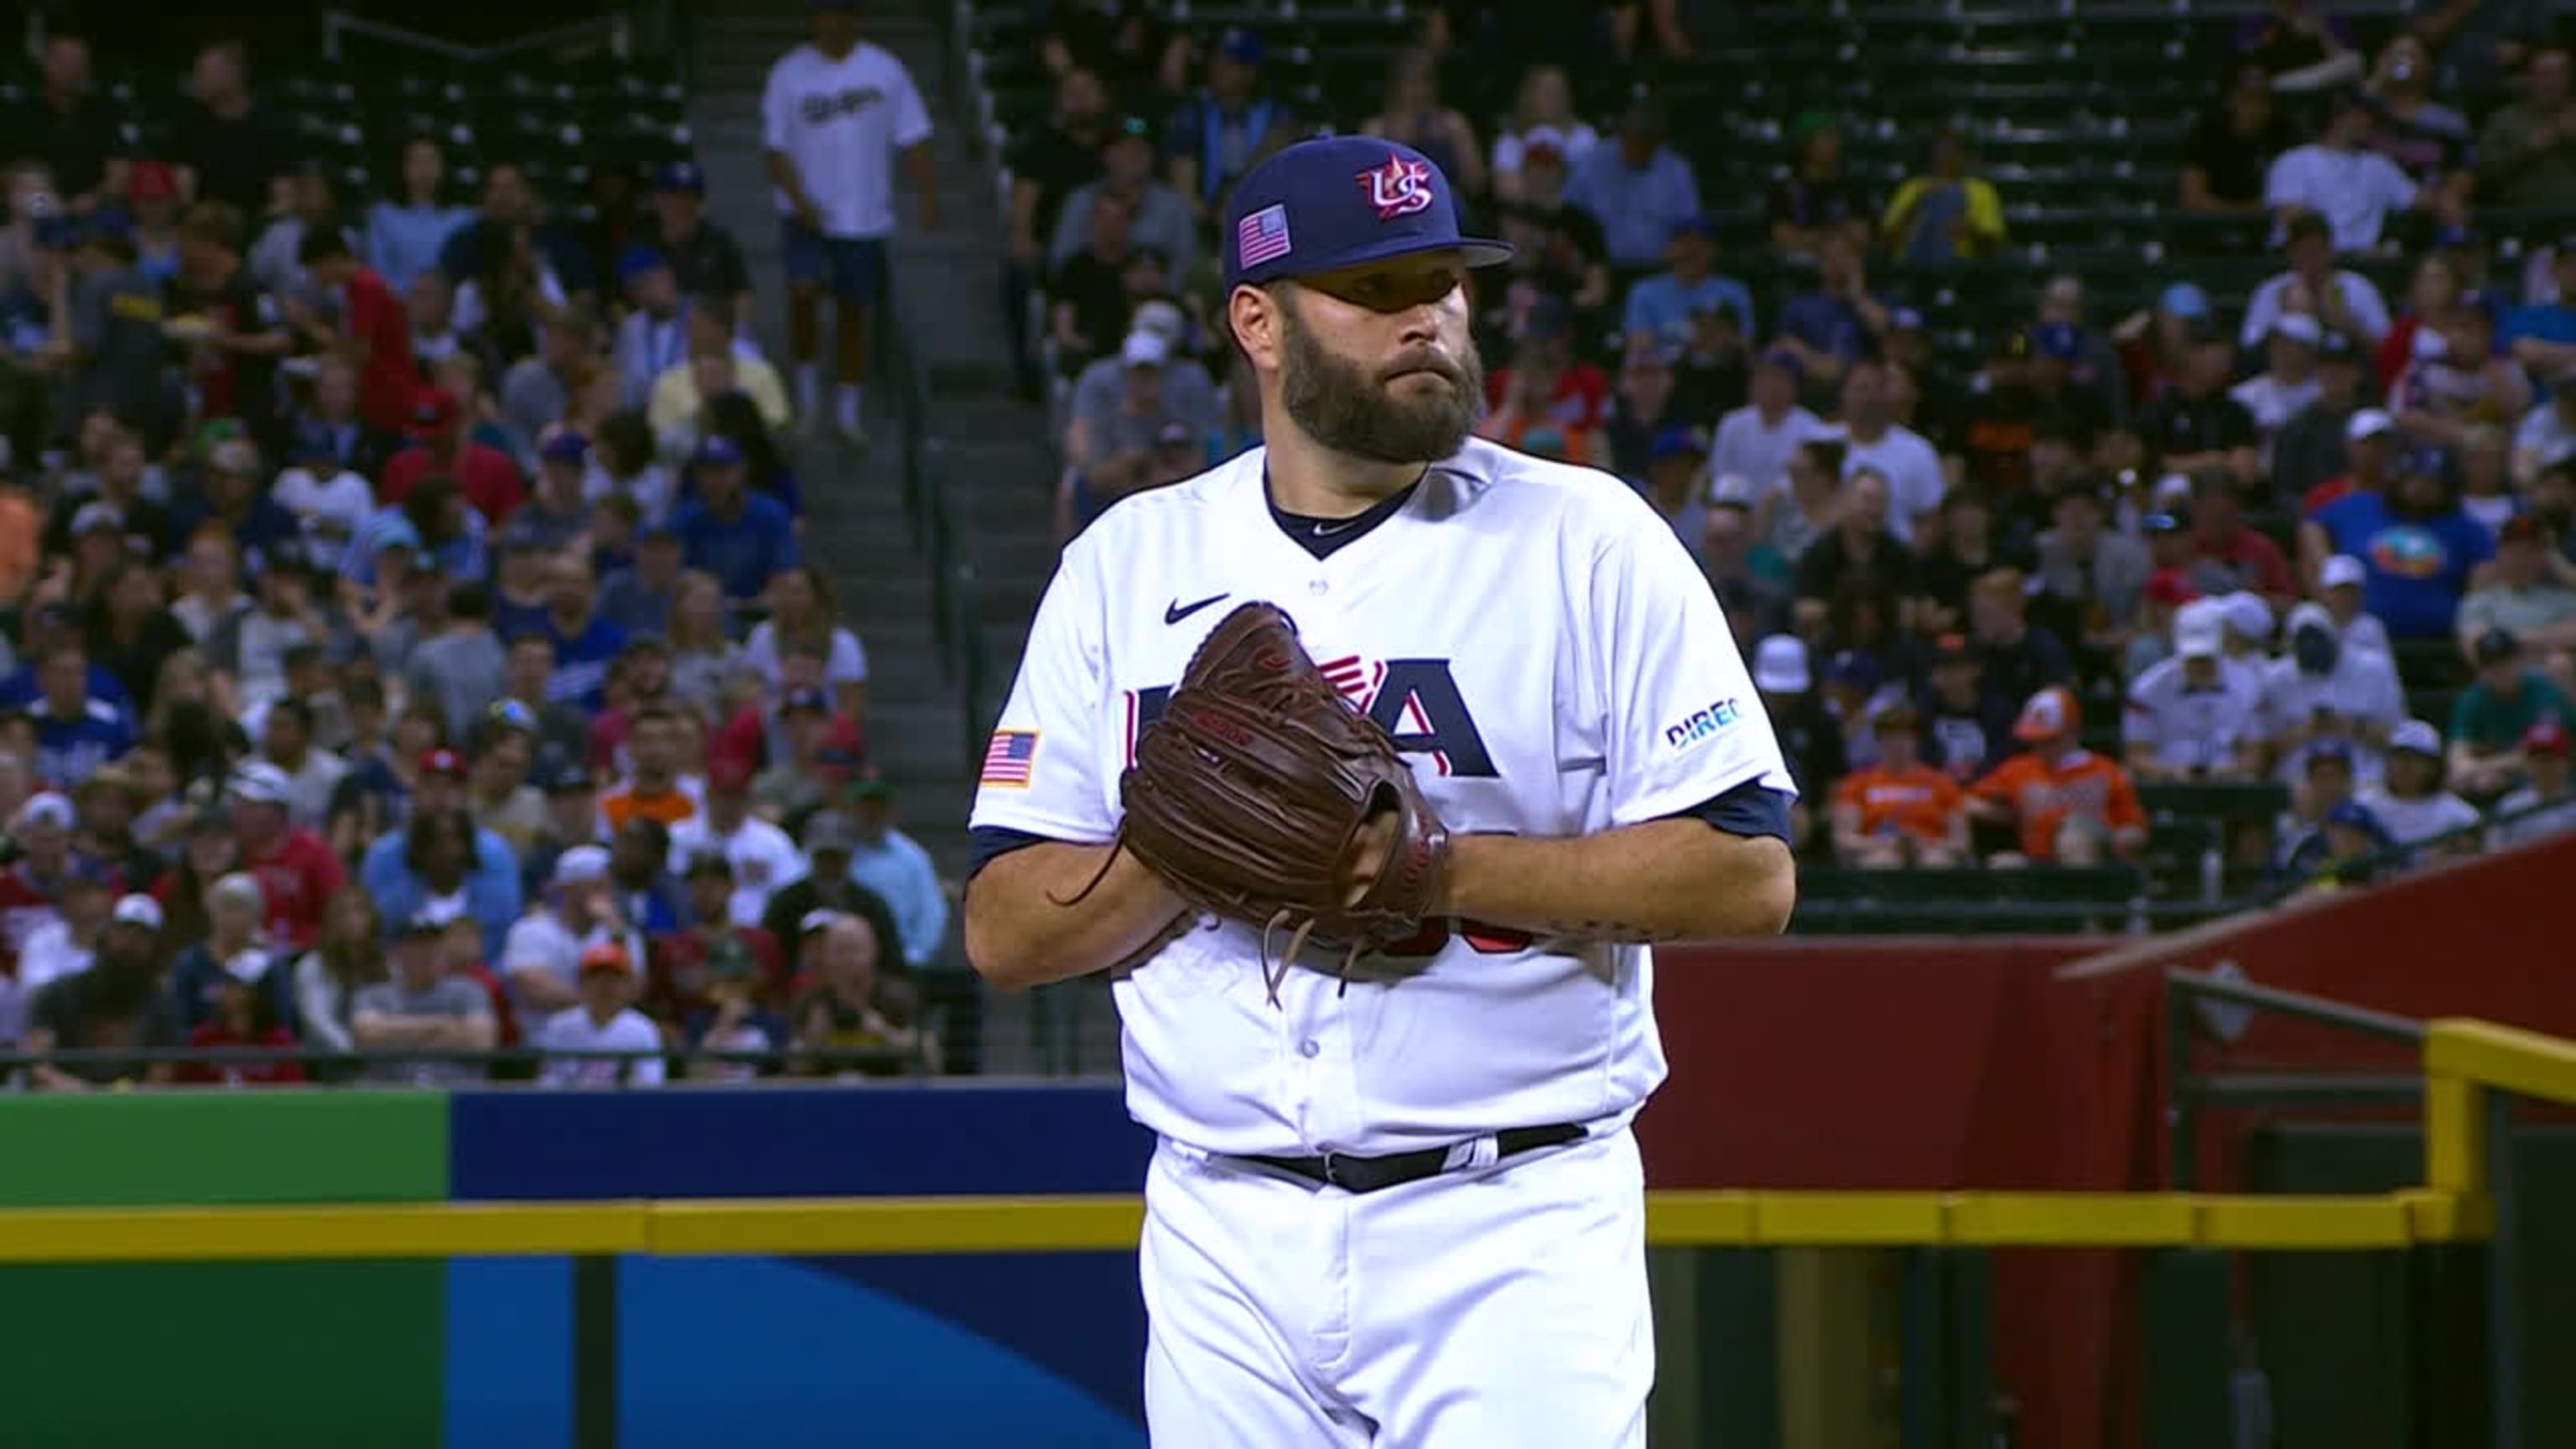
{"type": "Point", "coordinates": [1350, 410]}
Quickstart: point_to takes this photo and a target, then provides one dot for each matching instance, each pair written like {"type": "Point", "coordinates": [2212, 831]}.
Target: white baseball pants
{"type": "Point", "coordinates": [1492, 1308]}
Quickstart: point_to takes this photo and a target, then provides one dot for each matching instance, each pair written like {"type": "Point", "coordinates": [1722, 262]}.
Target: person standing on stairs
{"type": "Point", "coordinates": [833, 116]}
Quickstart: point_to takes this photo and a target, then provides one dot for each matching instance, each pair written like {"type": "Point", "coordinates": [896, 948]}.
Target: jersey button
{"type": "Point", "coordinates": [1310, 1048]}
{"type": "Point", "coordinates": [1319, 588]}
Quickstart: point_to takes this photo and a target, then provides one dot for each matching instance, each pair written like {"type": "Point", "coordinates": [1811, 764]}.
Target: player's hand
{"type": "Point", "coordinates": [1369, 852]}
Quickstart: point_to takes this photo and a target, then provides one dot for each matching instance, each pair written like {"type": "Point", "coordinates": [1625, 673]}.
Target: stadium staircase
{"type": "Point", "coordinates": [983, 453]}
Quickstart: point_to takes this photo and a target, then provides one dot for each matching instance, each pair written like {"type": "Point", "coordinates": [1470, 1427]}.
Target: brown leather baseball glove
{"type": "Point", "coordinates": [1252, 794]}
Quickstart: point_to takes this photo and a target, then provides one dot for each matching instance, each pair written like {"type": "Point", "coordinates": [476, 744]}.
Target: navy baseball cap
{"type": "Point", "coordinates": [1242, 45]}
{"type": "Point", "coordinates": [718, 451]}
{"type": "Point", "coordinates": [1342, 201]}
{"type": "Point", "coordinates": [680, 176]}
{"type": "Point", "coordinates": [1677, 441]}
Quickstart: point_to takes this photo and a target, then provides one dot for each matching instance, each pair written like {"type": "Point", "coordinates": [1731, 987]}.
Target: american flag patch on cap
{"type": "Point", "coordinates": [1261, 237]}
{"type": "Point", "coordinates": [1008, 760]}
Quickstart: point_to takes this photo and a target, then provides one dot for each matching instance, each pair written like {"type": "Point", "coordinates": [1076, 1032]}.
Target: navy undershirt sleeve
{"type": "Point", "coordinates": [988, 843]}
{"type": "Point", "coordinates": [1750, 809]}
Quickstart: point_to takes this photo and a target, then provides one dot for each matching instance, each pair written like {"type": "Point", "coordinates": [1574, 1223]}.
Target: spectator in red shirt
{"type": "Point", "coordinates": [245, 1016]}
{"type": "Point", "coordinates": [640, 680]}
{"type": "Point", "coordinates": [485, 475]}
{"type": "Point", "coordinates": [1579, 396]}
{"type": "Point", "coordinates": [2228, 556]}
{"type": "Point", "coordinates": [298, 875]}
{"type": "Point", "coordinates": [678, 981]}
{"type": "Point", "coordinates": [374, 332]}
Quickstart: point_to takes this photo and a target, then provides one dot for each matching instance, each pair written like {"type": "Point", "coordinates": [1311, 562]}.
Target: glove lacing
{"type": "Point", "coordinates": [1273, 977]}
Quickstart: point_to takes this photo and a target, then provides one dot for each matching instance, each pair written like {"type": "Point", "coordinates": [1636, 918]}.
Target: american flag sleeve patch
{"type": "Point", "coordinates": [1009, 759]}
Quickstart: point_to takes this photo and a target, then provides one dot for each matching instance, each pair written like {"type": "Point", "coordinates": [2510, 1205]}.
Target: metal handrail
{"type": "Point", "coordinates": [614, 26]}
{"type": "Point", "coordinates": [2189, 1089]}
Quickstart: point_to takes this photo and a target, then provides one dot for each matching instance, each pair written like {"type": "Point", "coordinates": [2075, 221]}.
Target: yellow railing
{"type": "Point", "coordinates": [2465, 1063]}
{"type": "Point", "coordinates": [921, 1225]}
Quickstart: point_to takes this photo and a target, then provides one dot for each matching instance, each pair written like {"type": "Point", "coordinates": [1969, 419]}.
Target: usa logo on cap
{"type": "Point", "coordinates": [1401, 187]}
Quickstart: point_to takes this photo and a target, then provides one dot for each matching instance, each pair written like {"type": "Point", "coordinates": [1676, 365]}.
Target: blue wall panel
{"type": "Point", "coordinates": [773, 1353]}
{"type": "Point", "coordinates": [794, 1142]}
{"type": "Point", "coordinates": [509, 1353]}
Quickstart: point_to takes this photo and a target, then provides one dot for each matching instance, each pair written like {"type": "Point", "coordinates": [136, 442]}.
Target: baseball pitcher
{"type": "Point", "coordinates": [1370, 763]}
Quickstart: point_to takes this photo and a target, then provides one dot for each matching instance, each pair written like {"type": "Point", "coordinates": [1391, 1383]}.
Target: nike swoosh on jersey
{"type": "Point", "coordinates": [1175, 611]}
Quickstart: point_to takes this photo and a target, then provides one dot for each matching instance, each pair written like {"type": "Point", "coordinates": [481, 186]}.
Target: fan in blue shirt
{"type": "Point", "coordinates": [75, 733]}
{"type": "Point", "coordinates": [1660, 307]}
{"type": "Point", "coordinates": [585, 644]}
{"type": "Point", "coordinates": [2417, 549]}
{"type": "Point", "coordinates": [742, 537]}
{"type": "Point", "coordinates": [46, 627]}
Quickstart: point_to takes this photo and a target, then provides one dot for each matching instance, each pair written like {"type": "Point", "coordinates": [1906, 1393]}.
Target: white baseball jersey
{"type": "Point", "coordinates": [841, 122]}
{"type": "Point", "coordinates": [2192, 728]}
{"type": "Point", "coordinates": [1552, 664]}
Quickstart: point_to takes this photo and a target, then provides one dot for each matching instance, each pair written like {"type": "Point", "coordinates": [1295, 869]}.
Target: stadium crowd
{"type": "Point", "coordinates": [407, 647]}
{"type": "Point", "coordinates": [2313, 550]}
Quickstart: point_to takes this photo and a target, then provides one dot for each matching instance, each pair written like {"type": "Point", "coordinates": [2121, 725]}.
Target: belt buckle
{"type": "Point", "coordinates": [1332, 1173]}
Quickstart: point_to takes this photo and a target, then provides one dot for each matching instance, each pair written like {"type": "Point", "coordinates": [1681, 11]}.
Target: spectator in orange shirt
{"type": "Point", "coordinates": [657, 790]}
{"type": "Point", "coordinates": [21, 525]}
{"type": "Point", "coordinates": [2072, 806]}
{"type": "Point", "coordinates": [1900, 811]}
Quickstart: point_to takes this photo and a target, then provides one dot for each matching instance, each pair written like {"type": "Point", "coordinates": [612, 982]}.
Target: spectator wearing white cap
{"type": "Point", "coordinates": [233, 948]}
{"type": "Point", "coordinates": [2326, 693]}
{"type": "Point", "coordinates": [2370, 447]}
{"type": "Point", "coordinates": [541, 959]}
{"type": "Point", "coordinates": [33, 884]}
{"type": "Point", "coordinates": [118, 1002]}
{"type": "Point", "coordinates": [2411, 801]}
{"type": "Point", "coordinates": [2345, 301]}
{"type": "Point", "coordinates": [1188, 392]}
{"type": "Point", "coordinates": [1110, 449]}
{"type": "Point", "coordinates": [2288, 381]}
{"type": "Point", "coordinates": [2249, 625]}
{"type": "Point", "coordinates": [1810, 741]}
{"type": "Point", "coordinates": [297, 873]}
{"type": "Point", "coordinates": [2340, 581]}
{"type": "Point", "coordinates": [2195, 715]}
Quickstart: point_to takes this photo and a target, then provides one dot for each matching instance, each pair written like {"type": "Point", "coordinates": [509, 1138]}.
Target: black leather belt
{"type": "Point", "coordinates": [1374, 1174]}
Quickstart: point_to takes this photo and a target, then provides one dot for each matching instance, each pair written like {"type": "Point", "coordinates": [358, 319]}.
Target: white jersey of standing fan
{"type": "Point", "coordinates": [841, 122]}
{"type": "Point", "coordinates": [1550, 662]}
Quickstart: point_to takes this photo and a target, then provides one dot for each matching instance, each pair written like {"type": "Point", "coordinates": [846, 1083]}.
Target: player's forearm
{"type": "Point", "coordinates": [1665, 880]}
{"type": "Point", "coordinates": [1048, 913]}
